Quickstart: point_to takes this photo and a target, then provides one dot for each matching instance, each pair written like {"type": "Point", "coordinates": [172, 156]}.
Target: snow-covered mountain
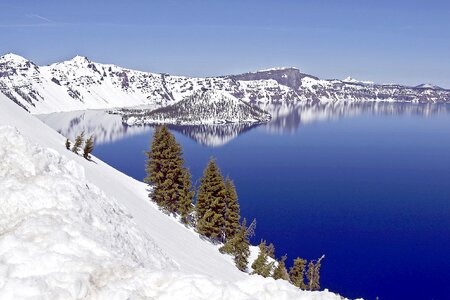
{"type": "Point", "coordinates": [79, 84]}
{"type": "Point", "coordinates": [202, 108]}
{"type": "Point", "coordinates": [429, 86]}
{"type": "Point", "coordinates": [77, 229]}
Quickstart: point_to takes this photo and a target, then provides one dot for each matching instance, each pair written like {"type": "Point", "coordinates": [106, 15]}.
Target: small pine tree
{"type": "Point", "coordinates": [67, 144]}
{"type": "Point", "coordinates": [268, 269]}
{"type": "Point", "coordinates": [261, 266]}
{"type": "Point", "coordinates": [271, 251]}
{"type": "Point", "coordinates": [297, 273]}
{"type": "Point", "coordinates": [310, 275]}
{"type": "Point", "coordinates": [280, 271]}
{"type": "Point", "coordinates": [313, 274]}
{"type": "Point", "coordinates": [78, 142]}
{"type": "Point", "coordinates": [232, 211]}
{"type": "Point", "coordinates": [239, 245]}
{"type": "Point", "coordinates": [185, 206]}
{"type": "Point", "coordinates": [88, 148]}
{"type": "Point", "coordinates": [210, 205]}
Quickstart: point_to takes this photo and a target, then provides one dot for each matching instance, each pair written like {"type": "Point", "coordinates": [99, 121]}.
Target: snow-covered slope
{"type": "Point", "coordinates": [74, 229]}
{"type": "Point", "coordinates": [203, 107]}
{"type": "Point", "coordinates": [79, 84]}
{"type": "Point", "coordinates": [75, 85]}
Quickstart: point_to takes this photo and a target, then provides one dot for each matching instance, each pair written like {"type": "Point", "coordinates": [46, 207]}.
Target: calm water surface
{"type": "Point", "coordinates": [368, 186]}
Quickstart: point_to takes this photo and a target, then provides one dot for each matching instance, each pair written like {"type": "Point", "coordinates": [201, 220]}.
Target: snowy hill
{"type": "Point", "coordinates": [429, 86]}
{"type": "Point", "coordinates": [79, 84]}
{"type": "Point", "coordinates": [203, 107]}
{"type": "Point", "coordinates": [75, 229]}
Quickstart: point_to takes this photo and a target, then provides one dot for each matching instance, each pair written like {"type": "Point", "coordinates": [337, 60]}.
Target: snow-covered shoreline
{"type": "Point", "coordinates": [73, 229]}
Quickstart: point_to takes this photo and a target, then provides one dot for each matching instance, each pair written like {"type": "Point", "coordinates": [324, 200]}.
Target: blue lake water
{"type": "Point", "coordinates": [368, 186]}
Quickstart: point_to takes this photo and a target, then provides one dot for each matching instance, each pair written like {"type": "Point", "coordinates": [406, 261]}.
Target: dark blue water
{"type": "Point", "coordinates": [371, 192]}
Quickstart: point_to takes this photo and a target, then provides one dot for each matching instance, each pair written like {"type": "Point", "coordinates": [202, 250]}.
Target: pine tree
{"type": "Point", "coordinates": [78, 142]}
{"type": "Point", "coordinates": [239, 245]}
{"type": "Point", "coordinates": [232, 211]}
{"type": "Point", "coordinates": [310, 275]}
{"type": "Point", "coordinates": [280, 271]}
{"type": "Point", "coordinates": [210, 206]}
{"type": "Point", "coordinates": [67, 144]}
{"type": "Point", "coordinates": [153, 163]}
{"type": "Point", "coordinates": [297, 273]}
{"type": "Point", "coordinates": [185, 206]}
{"type": "Point", "coordinates": [313, 274]}
{"type": "Point", "coordinates": [271, 251]}
{"type": "Point", "coordinates": [267, 271]}
{"type": "Point", "coordinates": [261, 266]}
{"type": "Point", "coordinates": [88, 147]}
{"type": "Point", "coordinates": [165, 170]}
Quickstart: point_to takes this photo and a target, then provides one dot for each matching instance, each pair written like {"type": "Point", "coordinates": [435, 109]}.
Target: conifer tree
{"type": "Point", "coordinates": [271, 251]}
{"type": "Point", "coordinates": [313, 274]}
{"type": "Point", "coordinates": [67, 144]}
{"type": "Point", "coordinates": [267, 271]}
{"type": "Point", "coordinates": [238, 246]}
{"type": "Point", "coordinates": [185, 206]}
{"type": "Point", "coordinates": [78, 142]}
{"type": "Point", "coordinates": [153, 163]}
{"type": "Point", "coordinates": [310, 275]}
{"type": "Point", "coordinates": [165, 170]}
{"type": "Point", "coordinates": [210, 205]}
{"type": "Point", "coordinates": [280, 271]}
{"type": "Point", "coordinates": [297, 273]}
{"type": "Point", "coordinates": [88, 147]}
{"type": "Point", "coordinates": [232, 211]}
{"type": "Point", "coordinates": [261, 266]}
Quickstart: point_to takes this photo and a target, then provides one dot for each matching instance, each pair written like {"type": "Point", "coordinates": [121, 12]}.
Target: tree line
{"type": "Point", "coordinates": [216, 212]}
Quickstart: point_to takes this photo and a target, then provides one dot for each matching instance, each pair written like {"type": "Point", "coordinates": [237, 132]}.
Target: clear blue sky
{"type": "Point", "coordinates": [384, 41]}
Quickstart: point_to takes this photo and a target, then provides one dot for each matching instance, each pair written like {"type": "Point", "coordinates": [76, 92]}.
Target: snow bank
{"type": "Point", "coordinates": [59, 232]}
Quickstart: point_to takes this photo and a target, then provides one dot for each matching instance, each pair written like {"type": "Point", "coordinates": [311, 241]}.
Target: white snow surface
{"type": "Point", "coordinates": [77, 229]}
{"type": "Point", "coordinates": [353, 80]}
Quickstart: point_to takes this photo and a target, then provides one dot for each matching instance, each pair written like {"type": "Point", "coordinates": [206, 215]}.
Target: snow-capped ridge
{"type": "Point", "coordinates": [80, 59]}
{"type": "Point", "coordinates": [276, 69]}
{"type": "Point", "coordinates": [80, 84]}
{"type": "Point", "coordinates": [350, 79]}
{"type": "Point", "coordinates": [428, 86]}
{"type": "Point", "coordinates": [12, 57]}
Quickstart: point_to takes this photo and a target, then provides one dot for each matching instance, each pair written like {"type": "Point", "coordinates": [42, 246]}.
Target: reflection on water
{"type": "Point", "coordinates": [213, 135]}
{"type": "Point", "coordinates": [104, 127]}
{"type": "Point", "coordinates": [289, 118]}
{"type": "Point", "coordinates": [285, 119]}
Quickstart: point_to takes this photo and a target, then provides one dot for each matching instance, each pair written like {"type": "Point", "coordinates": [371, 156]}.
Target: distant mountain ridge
{"type": "Point", "coordinates": [79, 84]}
